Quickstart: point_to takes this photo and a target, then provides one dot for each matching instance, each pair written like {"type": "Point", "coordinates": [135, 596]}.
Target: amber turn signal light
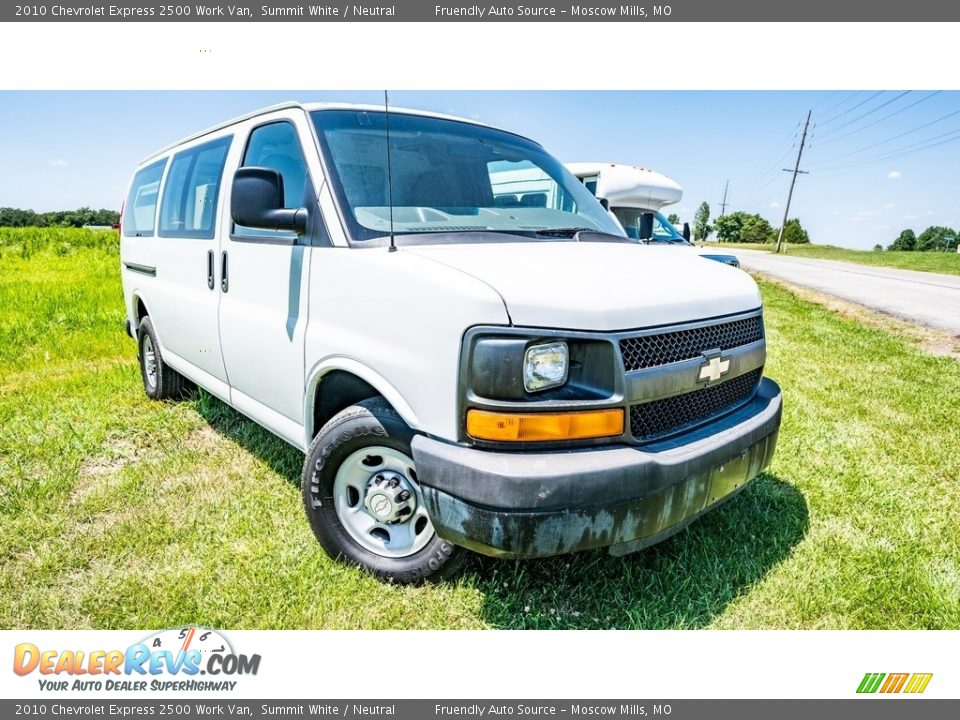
{"type": "Point", "coordinates": [540, 427]}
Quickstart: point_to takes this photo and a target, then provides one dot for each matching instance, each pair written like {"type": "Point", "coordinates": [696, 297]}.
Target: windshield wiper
{"type": "Point", "coordinates": [561, 231]}
{"type": "Point", "coordinates": [582, 234]}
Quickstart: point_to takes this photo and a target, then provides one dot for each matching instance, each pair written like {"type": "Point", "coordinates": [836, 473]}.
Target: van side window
{"type": "Point", "coordinates": [189, 205]}
{"type": "Point", "coordinates": [140, 209]}
{"type": "Point", "coordinates": [276, 146]}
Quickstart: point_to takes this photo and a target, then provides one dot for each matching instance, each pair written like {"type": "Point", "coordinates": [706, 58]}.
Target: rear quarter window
{"type": "Point", "coordinates": [140, 209]}
{"type": "Point", "coordinates": [192, 190]}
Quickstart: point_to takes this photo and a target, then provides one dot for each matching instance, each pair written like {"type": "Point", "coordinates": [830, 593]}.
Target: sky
{"type": "Point", "coordinates": [877, 161]}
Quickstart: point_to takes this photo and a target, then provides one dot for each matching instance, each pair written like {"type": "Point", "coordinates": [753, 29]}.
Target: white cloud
{"type": "Point", "coordinates": [59, 163]}
{"type": "Point", "coordinates": [911, 216]}
{"type": "Point", "coordinates": [879, 227]}
{"type": "Point", "coordinates": [889, 205]}
{"type": "Point", "coordinates": [894, 175]}
{"type": "Point", "coordinates": [774, 204]}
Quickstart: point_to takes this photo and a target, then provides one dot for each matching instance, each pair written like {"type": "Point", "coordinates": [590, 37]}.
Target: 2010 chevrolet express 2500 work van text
{"type": "Point", "coordinates": [465, 367]}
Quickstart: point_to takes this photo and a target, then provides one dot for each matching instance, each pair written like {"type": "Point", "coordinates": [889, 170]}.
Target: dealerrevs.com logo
{"type": "Point", "coordinates": [180, 659]}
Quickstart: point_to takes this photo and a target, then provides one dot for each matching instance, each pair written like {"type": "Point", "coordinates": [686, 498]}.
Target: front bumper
{"type": "Point", "coordinates": [525, 504]}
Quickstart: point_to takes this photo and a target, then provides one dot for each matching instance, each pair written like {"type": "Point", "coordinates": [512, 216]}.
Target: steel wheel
{"type": "Point", "coordinates": [150, 361]}
{"type": "Point", "coordinates": [378, 501]}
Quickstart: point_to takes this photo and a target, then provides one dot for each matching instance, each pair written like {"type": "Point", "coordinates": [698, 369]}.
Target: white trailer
{"type": "Point", "coordinates": [634, 196]}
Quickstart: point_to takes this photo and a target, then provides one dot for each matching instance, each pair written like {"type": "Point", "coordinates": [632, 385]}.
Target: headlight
{"type": "Point", "coordinates": [545, 366]}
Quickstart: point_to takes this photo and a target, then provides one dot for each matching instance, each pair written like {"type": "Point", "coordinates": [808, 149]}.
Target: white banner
{"type": "Point", "coordinates": [197, 663]}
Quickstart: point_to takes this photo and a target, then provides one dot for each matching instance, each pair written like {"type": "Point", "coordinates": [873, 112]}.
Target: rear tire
{"type": "Point", "coordinates": [363, 501]}
{"type": "Point", "coordinates": [160, 382]}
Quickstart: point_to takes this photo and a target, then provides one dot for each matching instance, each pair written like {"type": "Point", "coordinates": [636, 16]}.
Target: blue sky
{"type": "Point", "coordinates": [61, 150]}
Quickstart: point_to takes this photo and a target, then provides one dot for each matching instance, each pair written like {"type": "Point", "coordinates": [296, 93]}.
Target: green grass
{"type": "Point", "coordinates": [118, 512]}
{"type": "Point", "coordinates": [938, 262]}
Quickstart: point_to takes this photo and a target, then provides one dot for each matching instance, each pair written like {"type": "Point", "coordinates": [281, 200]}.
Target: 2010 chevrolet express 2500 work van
{"type": "Point", "coordinates": [464, 367]}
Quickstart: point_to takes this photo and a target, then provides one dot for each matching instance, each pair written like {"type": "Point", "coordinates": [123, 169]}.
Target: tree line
{"type": "Point", "coordinates": [935, 238]}
{"type": "Point", "coordinates": [15, 217]}
{"type": "Point", "coordinates": [743, 227]}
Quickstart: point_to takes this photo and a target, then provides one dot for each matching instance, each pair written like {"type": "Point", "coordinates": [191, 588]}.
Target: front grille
{"type": "Point", "coordinates": [661, 416]}
{"type": "Point", "coordinates": [645, 351]}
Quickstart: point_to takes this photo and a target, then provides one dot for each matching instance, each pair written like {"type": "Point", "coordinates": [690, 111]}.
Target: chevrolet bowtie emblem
{"type": "Point", "coordinates": [714, 368]}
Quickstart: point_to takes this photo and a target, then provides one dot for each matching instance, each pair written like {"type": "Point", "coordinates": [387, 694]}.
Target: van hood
{"type": "Point", "coordinates": [599, 286]}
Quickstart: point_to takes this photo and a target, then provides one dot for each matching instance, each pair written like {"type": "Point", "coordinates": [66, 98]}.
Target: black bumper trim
{"type": "Point", "coordinates": [540, 504]}
{"type": "Point", "coordinates": [592, 476]}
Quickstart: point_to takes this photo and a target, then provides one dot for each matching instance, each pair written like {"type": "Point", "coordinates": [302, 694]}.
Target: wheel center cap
{"type": "Point", "coordinates": [390, 498]}
{"type": "Point", "coordinates": [380, 505]}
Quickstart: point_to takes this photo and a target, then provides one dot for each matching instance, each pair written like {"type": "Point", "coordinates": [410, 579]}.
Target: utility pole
{"type": "Point", "coordinates": [796, 171]}
{"type": "Point", "coordinates": [724, 203]}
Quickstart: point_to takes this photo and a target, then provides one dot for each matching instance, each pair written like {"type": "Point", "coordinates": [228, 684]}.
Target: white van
{"type": "Point", "coordinates": [462, 372]}
{"type": "Point", "coordinates": [634, 196]}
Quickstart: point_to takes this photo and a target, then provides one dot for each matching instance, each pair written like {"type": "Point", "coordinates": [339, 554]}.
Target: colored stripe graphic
{"type": "Point", "coordinates": [870, 682]}
{"type": "Point", "coordinates": [918, 682]}
{"type": "Point", "coordinates": [894, 683]}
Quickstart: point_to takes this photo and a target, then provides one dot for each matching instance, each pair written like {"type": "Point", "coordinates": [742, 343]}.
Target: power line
{"type": "Point", "coordinates": [851, 109]}
{"type": "Point", "coordinates": [842, 102]}
{"type": "Point", "coordinates": [770, 190]}
{"type": "Point", "coordinates": [775, 157]}
{"type": "Point", "coordinates": [880, 120]}
{"type": "Point", "coordinates": [760, 181]}
{"type": "Point", "coordinates": [890, 139]}
{"type": "Point", "coordinates": [919, 146]}
{"type": "Point", "coordinates": [867, 113]}
{"type": "Point", "coordinates": [822, 100]}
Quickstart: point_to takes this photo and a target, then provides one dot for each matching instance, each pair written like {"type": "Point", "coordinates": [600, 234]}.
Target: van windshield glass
{"type": "Point", "coordinates": [449, 176]}
{"type": "Point", "coordinates": [663, 229]}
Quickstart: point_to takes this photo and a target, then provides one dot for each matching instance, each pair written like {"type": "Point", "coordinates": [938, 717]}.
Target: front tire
{"type": "Point", "coordinates": [160, 382]}
{"type": "Point", "coordinates": [363, 499]}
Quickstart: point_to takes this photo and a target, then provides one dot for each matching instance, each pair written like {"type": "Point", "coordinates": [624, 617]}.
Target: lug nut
{"type": "Point", "coordinates": [394, 482]}
{"type": "Point", "coordinates": [403, 496]}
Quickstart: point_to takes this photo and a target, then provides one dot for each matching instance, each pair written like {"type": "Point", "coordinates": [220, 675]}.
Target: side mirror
{"type": "Point", "coordinates": [256, 201]}
{"type": "Point", "coordinates": [686, 232]}
{"type": "Point", "coordinates": [605, 203]}
{"type": "Point", "coordinates": [646, 226]}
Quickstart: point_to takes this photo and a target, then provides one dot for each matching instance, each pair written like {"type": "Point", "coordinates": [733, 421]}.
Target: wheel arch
{"type": "Point", "coordinates": [139, 308]}
{"type": "Point", "coordinates": [337, 383]}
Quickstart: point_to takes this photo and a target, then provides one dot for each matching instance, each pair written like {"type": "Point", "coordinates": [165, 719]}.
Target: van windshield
{"type": "Point", "coordinates": [449, 176]}
{"type": "Point", "coordinates": [663, 229]}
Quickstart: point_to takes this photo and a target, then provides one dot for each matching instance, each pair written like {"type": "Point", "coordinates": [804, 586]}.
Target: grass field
{"type": "Point", "coordinates": [941, 262]}
{"type": "Point", "coordinates": [118, 512]}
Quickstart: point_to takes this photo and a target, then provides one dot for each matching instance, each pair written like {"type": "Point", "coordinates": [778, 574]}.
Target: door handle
{"type": "Point", "coordinates": [224, 281]}
{"type": "Point", "coordinates": [210, 280]}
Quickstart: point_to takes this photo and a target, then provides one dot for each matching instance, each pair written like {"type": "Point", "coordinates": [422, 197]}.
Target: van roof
{"type": "Point", "coordinates": [309, 107]}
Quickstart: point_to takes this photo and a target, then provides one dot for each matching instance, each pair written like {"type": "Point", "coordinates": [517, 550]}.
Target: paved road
{"type": "Point", "coordinates": [926, 298]}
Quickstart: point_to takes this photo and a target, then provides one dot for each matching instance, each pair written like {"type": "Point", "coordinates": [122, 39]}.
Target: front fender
{"type": "Point", "coordinates": [365, 373]}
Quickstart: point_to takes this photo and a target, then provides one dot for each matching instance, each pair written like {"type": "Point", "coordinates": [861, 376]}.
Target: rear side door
{"type": "Point", "coordinates": [186, 296]}
{"type": "Point", "coordinates": [265, 273]}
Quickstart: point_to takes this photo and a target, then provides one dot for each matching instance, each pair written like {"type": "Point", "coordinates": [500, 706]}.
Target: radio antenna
{"type": "Point", "coordinates": [386, 120]}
